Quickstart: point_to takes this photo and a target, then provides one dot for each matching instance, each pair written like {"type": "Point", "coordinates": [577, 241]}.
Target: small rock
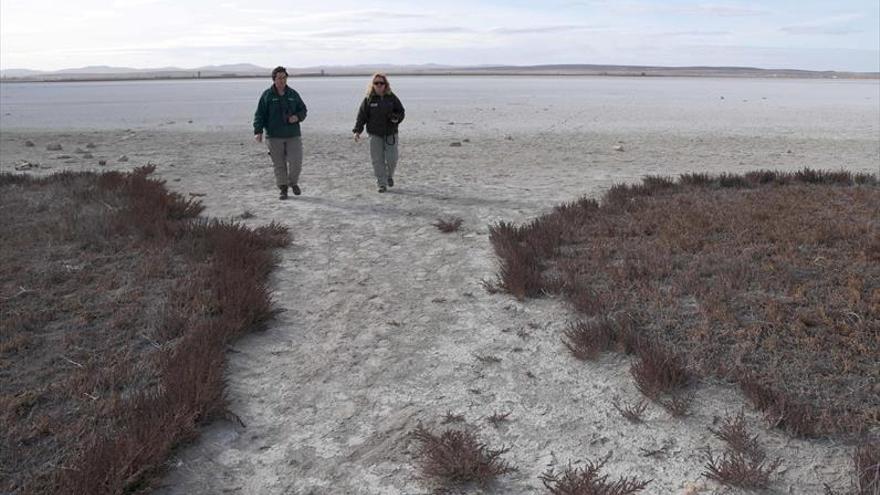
{"type": "Point", "coordinates": [508, 137]}
{"type": "Point", "coordinates": [123, 158]}
{"type": "Point", "coordinates": [789, 151]}
{"type": "Point", "coordinates": [87, 155]}
{"type": "Point", "coordinates": [53, 147]}
{"type": "Point", "coordinates": [619, 147]}
{"type": "Point", "coordinates": [189, 121]}
{"type": "Point", "coordinates": [722, 97]}
{"type": "Point", "coordinates": [29, 143]}
{"type": "Point", "coordinates": [63, 157]}
{"type": "Point", "coordinates": [26, 165]}
{"type": "Point", "coordinates": [91, 146]}
{"type": "Point", "coordinates": [465, 140]}
{"type": "Point", "coordinates": [451, 123]}
{"type": "Point", "coordinates": [102, 162]}
{"type": "Point", "coordinates": [455, 143]}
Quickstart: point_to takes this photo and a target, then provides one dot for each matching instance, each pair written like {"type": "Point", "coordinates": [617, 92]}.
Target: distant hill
{"type": "Point", "coordinates": [97, 69]}
{"type": "Point", "coordinates": [19, 73]}
{"type": "Point", "coordinates": [250, 70]}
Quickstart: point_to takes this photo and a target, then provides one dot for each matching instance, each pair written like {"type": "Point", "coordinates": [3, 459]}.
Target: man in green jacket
{"type": "Point", "coordinates": [279, 112]}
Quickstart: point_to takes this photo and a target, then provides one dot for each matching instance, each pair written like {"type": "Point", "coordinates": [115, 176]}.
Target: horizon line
{"type": "Point", "coordinates": [254, 67]}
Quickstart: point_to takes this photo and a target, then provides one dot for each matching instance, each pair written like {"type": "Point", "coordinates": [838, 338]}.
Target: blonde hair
{"type": "Point", "coordinates": [384, 77]}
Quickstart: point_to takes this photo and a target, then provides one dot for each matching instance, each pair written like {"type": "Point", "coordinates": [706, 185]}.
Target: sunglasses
{"type": "Point", "coordinates": [378, 83]}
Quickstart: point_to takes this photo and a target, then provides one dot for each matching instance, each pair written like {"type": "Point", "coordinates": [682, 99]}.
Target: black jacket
{"type": "Point", "coordinates": [381, 114]}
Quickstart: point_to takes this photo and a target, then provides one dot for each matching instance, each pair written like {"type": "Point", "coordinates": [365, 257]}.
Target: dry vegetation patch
{"type": "Point", "coordinates": [117, 306]}
{"type": "Point", "coordinates": [770, 279]}
{"type": "Point", "coordinates": [457, 457]}
{"type": "Point", "coordinates": [589, 480]}
{"type": "Point", "coordinates": [448, 225]}
{"type": "Point", "coordinates": [743, 462]}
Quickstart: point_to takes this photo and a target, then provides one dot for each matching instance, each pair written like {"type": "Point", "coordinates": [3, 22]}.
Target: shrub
{"type": "Point", "coordinates": [457, 456]}
{"type": "Point", "coordinates": [447, 225]}
{"type": "Point", "coordinates": [588, 480]}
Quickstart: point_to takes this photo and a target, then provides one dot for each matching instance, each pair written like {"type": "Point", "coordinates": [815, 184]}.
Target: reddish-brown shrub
{"type": "Point", "coordinates": [457, 456]}
{"type": "Point", "coordinates": [588, 480]}
{"type": "Point", "coordinates": [771, 274]}
{"type": "Point", "coordinates": [733, 431]}
{"type": "Point", "coordinates": [586, 339]}
{"type": "Point", "coordinates": [126, 384]}
{"type": "Point", "coordinates": [866, 461]}
{"type": "Point", "coordinates": [658, 371]}
{"type": "Point", "coordinates": [633, 413]}
{"type": "Point", "coordinates": [447, 225]}
{"type": "Point", "coordinates": [737, 469]}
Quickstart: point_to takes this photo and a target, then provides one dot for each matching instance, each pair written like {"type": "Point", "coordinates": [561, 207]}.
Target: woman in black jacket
{"type": "Point", "coordinates": [381, 111]}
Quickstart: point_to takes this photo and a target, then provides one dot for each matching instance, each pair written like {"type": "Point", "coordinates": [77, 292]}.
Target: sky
{"type": "Point", "coordinates": [842, 35]}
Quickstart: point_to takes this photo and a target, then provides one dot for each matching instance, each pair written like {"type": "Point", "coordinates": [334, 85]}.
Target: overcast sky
{"type": "Point", "coordinates": [839, 35]}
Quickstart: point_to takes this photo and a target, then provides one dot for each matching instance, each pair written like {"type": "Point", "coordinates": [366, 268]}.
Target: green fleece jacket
{"type": "Point", "coordinates": [273, 110]}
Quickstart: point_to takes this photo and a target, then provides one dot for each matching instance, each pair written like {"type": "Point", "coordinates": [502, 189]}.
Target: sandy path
{"type": "Point", "coordinates": [383, 317]}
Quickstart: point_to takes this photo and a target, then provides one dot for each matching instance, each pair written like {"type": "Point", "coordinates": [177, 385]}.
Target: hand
{"type": "Point", "coordinates": [258, 138]}
{"type": "Point", "coordinates": [293, 119]}
{"type": "Point", "coordinates": [357, 137]}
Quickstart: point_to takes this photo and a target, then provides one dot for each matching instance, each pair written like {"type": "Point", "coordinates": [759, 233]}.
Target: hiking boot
{"type": "Point", "coordinates": [390, 182]}
{"type": "Point", "coordinates": [295, 189]}
{"type": "Point", "coordinates": [283, 194]}
{"type": "Point", "coordinates": [382, 189]}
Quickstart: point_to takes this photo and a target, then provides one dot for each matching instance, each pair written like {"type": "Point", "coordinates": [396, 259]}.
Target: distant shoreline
{"type": "Point", "coordinates": [549, 71]}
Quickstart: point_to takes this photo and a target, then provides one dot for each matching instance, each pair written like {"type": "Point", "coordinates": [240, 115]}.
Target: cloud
{"type": "Point", "coordinates": [722, 10]}
{"type": "Point", "coordinates": [704, 9]}
{"type": "Point", "coordinates": [821, 30]}
{"type": "Point", "coordinates": [543, 29]}
{"type": "Point", "coordinates": [676, 34]}
{"type": "Point", "coordinates": [343, 33]}
{"type": "Point", "coordinates": [832, 26]}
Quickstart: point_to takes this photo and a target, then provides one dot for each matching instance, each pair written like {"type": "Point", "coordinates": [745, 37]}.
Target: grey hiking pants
{"type": "Point", "coordinates": [383, 153]}
{"type": "Point", "coordinates": [284, 152]}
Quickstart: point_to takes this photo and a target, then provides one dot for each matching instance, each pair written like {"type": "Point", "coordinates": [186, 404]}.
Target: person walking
{"type": "Point", "coordinates": [279, 112]}
{"type": "Point", "coordinates": [381, 112]}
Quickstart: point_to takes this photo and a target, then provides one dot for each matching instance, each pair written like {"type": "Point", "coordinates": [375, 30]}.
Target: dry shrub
{"type": "Point", "coordinates": [632, 413]}
{"type": "Point", "coordinates": [447, 225]}
{"type": "Point", "coordinates": [658, 372]}
{"type": "Point", "coordinates": [586, 339]}
{"type": "Point", "coordinates": [769, 274]}
{"type": "Point", "coordinates": [120, 383]}
{"type": "Point", "coordinates": [451, 417]}
{"type": "Point", "coordinates": [497, 418]}
{"type": "Point", "coordinates": [456, 457]}
{"type": "Point", "coordinates": [783, 411]}
{"type": "Point", "coordinates": [588, 480]}
{"type": "Point", "coordinates": [733, 431]}
{"type": "Point", "coordinates": [744, 462]}
{"type": "Point", "coordinates": [737, 469]}
{"type": "Point", "coordinates": [677, 403]}
{"type": "Point", "coordinates": [520, 250]}
{"type": "Point", "coordinates": [866, 461]}
{"type": "Point", "coordinates": [695, 179]}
